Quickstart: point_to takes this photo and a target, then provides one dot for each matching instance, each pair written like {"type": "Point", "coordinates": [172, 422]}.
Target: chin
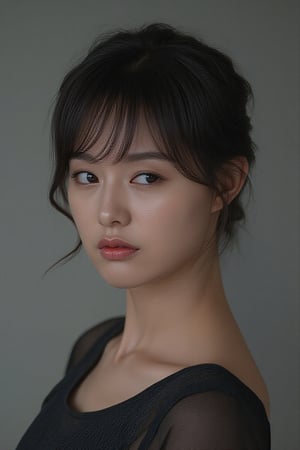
{"type": "Point", "coordinates": [119, 280]}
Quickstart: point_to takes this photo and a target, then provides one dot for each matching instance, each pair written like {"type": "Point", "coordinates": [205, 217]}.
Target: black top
{"type": "Point", "coordinates": [200, 407]}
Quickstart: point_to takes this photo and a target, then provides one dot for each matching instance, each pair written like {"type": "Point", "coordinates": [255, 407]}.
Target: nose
{"type": "Point", "coordinates": [113, 206]}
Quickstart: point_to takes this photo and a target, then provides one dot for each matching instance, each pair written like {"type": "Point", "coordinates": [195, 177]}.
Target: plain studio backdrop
{"type": "Point", "coordinates": [42, 317]}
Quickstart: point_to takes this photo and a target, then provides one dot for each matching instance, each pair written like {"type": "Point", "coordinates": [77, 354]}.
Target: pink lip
{"type": "Point", "coordinates": [115, 243]}
{"type": "Point", "coordinates": [117, 253]}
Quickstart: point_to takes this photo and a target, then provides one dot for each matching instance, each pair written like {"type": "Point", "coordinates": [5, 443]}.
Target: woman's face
{"type": "Point", "coordinates": [146, 202]}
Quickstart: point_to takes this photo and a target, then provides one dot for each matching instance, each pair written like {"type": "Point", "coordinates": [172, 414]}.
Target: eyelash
{"type": "Point", "coordinates": [75, 175]}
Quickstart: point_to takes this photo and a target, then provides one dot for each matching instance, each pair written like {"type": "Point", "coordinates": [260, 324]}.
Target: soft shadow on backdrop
{"type": "Point", "coordinates": [42, 317]}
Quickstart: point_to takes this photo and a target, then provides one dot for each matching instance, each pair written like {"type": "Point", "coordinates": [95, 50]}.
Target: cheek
{"type": "Point", "coordinates": [186, 219]}
{"type": "Point", "coordinates": [81, 216]}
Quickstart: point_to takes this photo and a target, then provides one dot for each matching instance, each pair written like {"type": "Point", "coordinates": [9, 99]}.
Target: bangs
{"type": "Point", "coordinates": [111, 119]}
{"type": "Point", "coordinates": [112, 108]}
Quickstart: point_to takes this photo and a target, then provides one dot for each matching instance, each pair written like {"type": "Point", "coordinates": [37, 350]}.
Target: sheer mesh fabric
{"type": "Point", "coordinates": [202, 407]}
{"type": "Point", "coordinates": [207, 421]}
{"type": "Point", "coordinates": [86, 341]}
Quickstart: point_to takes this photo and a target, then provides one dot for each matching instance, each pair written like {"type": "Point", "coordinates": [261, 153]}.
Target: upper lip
{"type": "Point", "coordinates": [115, 242]}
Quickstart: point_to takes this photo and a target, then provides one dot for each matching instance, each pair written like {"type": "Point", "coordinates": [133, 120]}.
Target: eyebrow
{"type": "Point", "coordinates": [84, 156]}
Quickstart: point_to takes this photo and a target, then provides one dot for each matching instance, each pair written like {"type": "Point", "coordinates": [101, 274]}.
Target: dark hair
{"type": "Point", "coordinates": [193, 99]}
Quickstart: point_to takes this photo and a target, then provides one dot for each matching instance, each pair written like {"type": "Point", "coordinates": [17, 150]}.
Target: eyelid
{"type": "Point", "coordinates": [157, 175]}
{"type": "Point", "coordinates": [74, 175]}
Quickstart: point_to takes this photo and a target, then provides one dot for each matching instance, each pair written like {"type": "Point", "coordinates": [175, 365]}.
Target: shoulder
{"type": "Point", "coordinates": [246, 370]}
{"type": "Point", "coordinates": [88, 338]}
{"type": "Point", "coordinates": [203, 406]}
{"type": "Point", "coordinates": [207, 407]}
{"type": "Point", "coordinates": [212, 420]}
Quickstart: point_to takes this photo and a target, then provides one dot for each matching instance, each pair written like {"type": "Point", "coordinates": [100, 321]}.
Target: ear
{"type": "Point", "coordinates": [232, 177]}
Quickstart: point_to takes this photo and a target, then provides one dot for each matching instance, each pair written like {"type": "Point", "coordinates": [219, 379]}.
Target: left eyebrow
{"type": "Point", "coordinates": [85, 156]}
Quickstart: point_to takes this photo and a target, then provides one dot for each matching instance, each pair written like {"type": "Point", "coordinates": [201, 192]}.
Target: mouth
{"type": "Point", "coordinates": [117, 253]}
{"type": "Point", "coordinates": [115, 243]}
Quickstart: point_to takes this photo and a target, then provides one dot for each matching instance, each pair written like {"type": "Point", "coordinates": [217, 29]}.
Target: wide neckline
{"type": "Point", "coordinates": [95, 356]}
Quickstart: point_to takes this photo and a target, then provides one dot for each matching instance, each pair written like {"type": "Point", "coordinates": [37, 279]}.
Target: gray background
{"type": "Point", "coordinates": [41, 317]}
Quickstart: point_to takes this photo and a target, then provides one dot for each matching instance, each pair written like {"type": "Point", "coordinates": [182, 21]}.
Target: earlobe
{"type": "Point", "coordinates": [231, 178]}
{"type": "Point", "coordinates": [217, 203]}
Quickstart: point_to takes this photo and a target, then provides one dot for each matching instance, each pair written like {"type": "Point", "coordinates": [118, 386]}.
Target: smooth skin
{"type": "Point", "coordinates": [177, 314]}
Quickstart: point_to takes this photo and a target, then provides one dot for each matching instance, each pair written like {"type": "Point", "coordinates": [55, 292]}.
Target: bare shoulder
{"type": "Point", "coordinates": [243, 366]}
{"type": "Point", "coordinates": [233, 353]}
{"type": "Point", "coordinates": [256, 382]}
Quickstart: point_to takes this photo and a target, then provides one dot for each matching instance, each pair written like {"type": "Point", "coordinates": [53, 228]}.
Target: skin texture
{"type": "Point", "coordinates": [177, 313]}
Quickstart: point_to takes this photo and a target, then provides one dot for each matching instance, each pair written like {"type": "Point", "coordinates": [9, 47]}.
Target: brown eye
{"type": "Point", "coordinates": [150, 178]}
{"type": "Point", "coordinates": [84, 177]}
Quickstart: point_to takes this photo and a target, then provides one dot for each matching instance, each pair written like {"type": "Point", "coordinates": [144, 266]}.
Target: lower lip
{"type": "Point", "coordinates": [117, 253]}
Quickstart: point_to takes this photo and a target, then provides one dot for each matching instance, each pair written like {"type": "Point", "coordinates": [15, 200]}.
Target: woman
{"type": "Point", "coordinates": [153, 150]}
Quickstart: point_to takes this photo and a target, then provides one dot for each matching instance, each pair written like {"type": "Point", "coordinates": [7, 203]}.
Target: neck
{"type": "Point", "coordinates": [173, 312]}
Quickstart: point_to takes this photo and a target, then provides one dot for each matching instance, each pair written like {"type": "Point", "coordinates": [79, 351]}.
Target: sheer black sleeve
{"type": "Point", "coordinates": [211, 421]}
{"type": "Point", "coordinates": [86, 341]}
{"type": "Point", "coordinates": [80, 348]}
